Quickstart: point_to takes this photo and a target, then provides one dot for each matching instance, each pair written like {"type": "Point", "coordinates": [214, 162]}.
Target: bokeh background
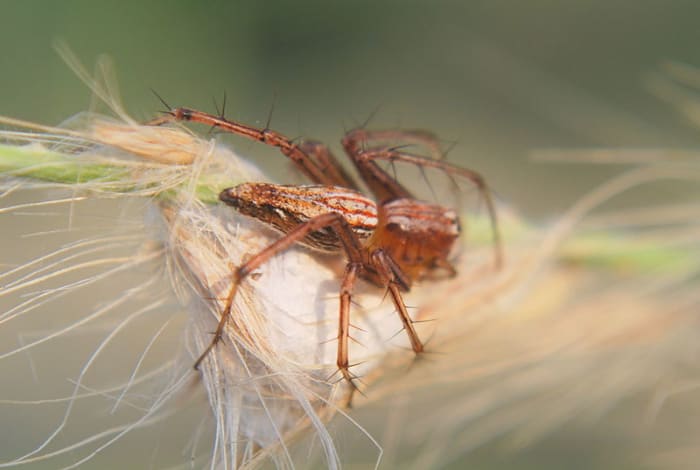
{"type": "Point", "coordinates": [498, 79]}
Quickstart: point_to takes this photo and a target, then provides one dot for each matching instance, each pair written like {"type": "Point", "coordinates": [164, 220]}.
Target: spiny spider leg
{"type": "Point", "coordinates": [267, 136]}
{"type": "Point", "coordinates": [342, 360]}
{"type": "Point", "coordinates": [410, 136]}
{"type": "Point", "coordinates": [328, 163]}
{"type": "Point", "coordinates": [383, 185]}
{"type": "Point", "coordinates": [352, 248]}
{"type": "Point", "coordinates": [391, 276]}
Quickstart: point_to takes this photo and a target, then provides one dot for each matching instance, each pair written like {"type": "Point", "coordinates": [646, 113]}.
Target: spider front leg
{"type": "Point", "coordinates": [380, 183]}
{"type": "Point", "coordinates": [392, 277]}
{"type": "Point", "coordinates": [421, 137]}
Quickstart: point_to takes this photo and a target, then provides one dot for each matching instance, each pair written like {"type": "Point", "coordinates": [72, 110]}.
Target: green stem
{"type": "Point", "coordinates": [55, 167]}
{"type": "Point", "coordinates": [608, 251]}
{"type": "Point", "coordinates": [45, 165]}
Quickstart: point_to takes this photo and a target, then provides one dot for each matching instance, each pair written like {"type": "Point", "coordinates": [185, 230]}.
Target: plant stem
{"type": "Point", "coordinates": [606, 250]}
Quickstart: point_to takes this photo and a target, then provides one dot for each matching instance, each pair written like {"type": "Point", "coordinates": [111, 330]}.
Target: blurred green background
{"type": "Point", "coordinates": [499, 78]}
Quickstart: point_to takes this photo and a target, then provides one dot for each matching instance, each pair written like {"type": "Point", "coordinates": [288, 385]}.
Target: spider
{"type": "Point", "coordinates": [390, 241]}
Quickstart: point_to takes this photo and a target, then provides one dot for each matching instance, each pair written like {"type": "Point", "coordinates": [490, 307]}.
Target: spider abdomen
{"type": "Point", "coordinates": [287, 206]}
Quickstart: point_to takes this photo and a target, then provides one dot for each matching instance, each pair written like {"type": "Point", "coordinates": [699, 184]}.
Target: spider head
{"type": "Point", "coordinates": [418, 235]}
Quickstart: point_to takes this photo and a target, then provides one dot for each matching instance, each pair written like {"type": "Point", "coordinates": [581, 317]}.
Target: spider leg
{"type": "Point", "coordinates": [446, 265]}
{"type": "Point", "coordinates": [346, 288]}
{"type": "Point", "coordinates": [328, 163]}
{"type": "Point", "coordinates": [386, 188]}
{"type": "Point", "coordinates": [218, 333]}
{"type": "Point", "coordinates": [390, 274]}
{"type": "Point", "coordinates": [352, 248]}
{"type": "Point", "coordinates": [383, 185]}
{"type": "Point", "coordinates": [421, 137]}
{"type": "Point", "coordinates": [313, 169]}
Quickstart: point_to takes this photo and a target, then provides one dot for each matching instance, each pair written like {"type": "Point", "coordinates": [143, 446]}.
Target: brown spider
{"type": "Point", "coordinates": [391, 242]}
